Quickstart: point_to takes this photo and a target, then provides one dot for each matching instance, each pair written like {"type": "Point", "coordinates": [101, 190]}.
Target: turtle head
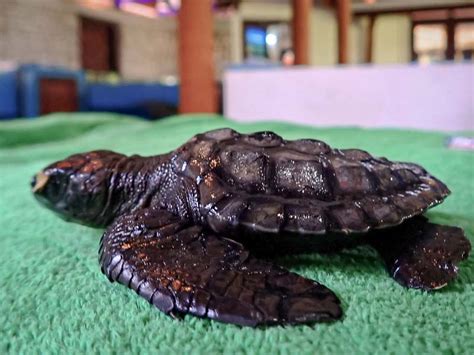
{"type": "Point", "coordinates": [77, 188]}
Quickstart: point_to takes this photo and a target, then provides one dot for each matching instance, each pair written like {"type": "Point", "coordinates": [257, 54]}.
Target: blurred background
{"type": "Point", "coordinates": [390, 63]}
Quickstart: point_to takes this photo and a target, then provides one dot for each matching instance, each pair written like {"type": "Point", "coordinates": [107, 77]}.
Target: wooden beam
{"type": "Point", "coordinates": [450, 49]}
{"type": "Point", "coordinates": [301, 14]}
{"type": "Point", "coordinates": [343, 25]}
{"type": "Point", "coordinates": [196, 60]}
{"type": "Point", "coordinates": [408, 9]}
{"type": "Point", "coordinates": [369, 39]}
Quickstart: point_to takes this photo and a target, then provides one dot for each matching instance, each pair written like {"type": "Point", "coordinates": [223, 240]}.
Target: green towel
{"type": "Point", "coordinates": [54, 299]}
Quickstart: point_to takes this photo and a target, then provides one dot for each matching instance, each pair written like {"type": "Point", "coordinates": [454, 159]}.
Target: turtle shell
{"type": "Point", "coordinates": [262, 183]}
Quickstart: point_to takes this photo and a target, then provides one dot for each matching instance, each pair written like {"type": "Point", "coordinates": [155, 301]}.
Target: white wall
{"type": "Point", "coordinates": [438, 97]}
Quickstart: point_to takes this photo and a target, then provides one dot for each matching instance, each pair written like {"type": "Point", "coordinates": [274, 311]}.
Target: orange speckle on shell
{"type": "Point", "coordinates": [126, 246]}
{"type": "Point", "coordinates": [176, 285]}
{"type": "Point", "coordinates": [214, 163]}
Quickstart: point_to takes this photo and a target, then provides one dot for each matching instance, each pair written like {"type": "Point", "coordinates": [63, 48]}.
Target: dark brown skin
{"type": "Point", "coordinates": [169, 218]}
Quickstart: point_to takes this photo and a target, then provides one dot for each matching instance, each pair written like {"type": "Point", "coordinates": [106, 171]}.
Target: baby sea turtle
{"type": "Point", "coordinates": [177, 223]}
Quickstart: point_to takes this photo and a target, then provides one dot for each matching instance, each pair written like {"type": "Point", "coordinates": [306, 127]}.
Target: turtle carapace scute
{"type": "Point", "coordinates": [186, 230]}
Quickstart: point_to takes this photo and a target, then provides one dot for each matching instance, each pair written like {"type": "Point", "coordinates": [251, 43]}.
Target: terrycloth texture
{"type": "Point", "coordinates": [54, 299]}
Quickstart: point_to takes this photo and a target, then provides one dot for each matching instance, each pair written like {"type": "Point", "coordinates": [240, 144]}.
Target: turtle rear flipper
{"type": "Point", "coordinates": [181, 268]}
{"type": "Point", "coordinates": [422, 255]}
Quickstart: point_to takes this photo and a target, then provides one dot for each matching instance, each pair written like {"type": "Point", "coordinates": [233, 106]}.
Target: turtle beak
{"type": "Point", "coordinates": [38, 182]}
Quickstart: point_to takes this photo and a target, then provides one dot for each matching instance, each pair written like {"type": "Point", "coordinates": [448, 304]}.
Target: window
{"type": "Point", "coordinates": [443, 35]}
{"type": "Point", "coordinates": [266, 41]}
{"type": "Point", "coordinates": [430, 42]}
{"type": "Point", "coordinates": [254, 37]}
{"type": "Point", "coordinates": [464, 40]}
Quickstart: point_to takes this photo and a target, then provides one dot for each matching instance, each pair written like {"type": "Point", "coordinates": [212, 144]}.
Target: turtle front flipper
{"type": "Point", "coordinates": [181, 268]}
{"type": "Point", "coordinates": [422, 255]}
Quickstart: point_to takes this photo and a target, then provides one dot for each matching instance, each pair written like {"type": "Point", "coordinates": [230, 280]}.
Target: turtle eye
{"type": "Point", "coordinates": [53, 188]}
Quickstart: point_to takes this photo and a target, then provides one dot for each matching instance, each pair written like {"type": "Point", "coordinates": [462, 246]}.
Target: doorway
{"type": "Point", "coordinates": [98, 45]}
{"type": "Point", "coordinates": [58, 95]}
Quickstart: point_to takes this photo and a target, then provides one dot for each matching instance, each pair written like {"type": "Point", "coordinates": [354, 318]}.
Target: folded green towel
{"type": "Point", "coordinates": [54, 299]}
